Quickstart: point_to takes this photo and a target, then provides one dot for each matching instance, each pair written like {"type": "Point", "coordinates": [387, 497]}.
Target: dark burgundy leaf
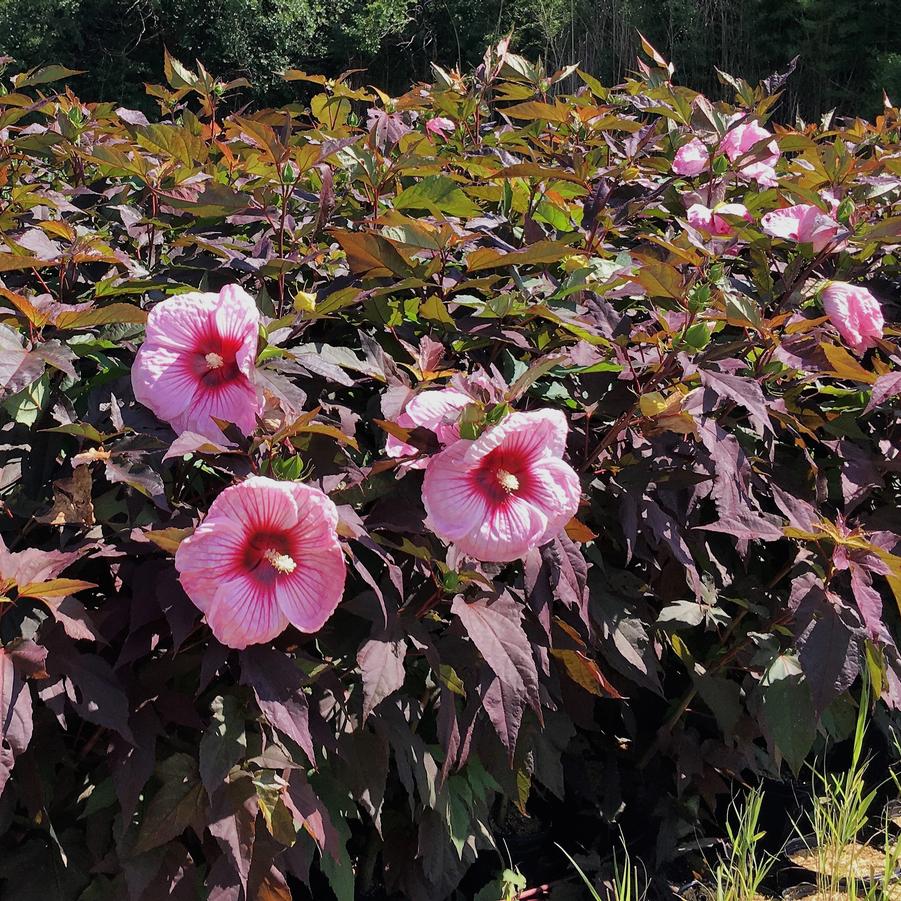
{"type": "Point", "coordinates": [233, 816]}
{"type": "Point", "coordinates": [278, 687]}
{"type": "Point", "coordinates": [494, 626]}
{"type": "Point", "coordinates": [381, 661]}
{"type": "Point", "coordinates": [15, 715]}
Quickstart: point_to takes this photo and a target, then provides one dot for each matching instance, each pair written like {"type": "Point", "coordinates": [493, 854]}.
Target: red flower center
{"type": "Point", "coordinates": [215, 360]}
{"type": "Point", "coordinates": [268, 555]}
{"type": "Point", "coordinates": [502, 474]}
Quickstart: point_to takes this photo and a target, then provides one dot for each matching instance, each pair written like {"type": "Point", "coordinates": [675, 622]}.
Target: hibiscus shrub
{"type": "Point", "coordinates": [384, 478]}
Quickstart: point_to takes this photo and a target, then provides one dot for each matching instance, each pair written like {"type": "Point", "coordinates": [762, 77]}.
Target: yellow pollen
{"type": "Point", "coordinates": [281, 563]}
{"type": "Point", "coordinates": [214, 361]}
{"type": "Point", "coordinates": [508, 481]}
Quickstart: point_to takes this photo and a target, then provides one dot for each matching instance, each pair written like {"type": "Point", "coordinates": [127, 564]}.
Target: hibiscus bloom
{"type": "Point", "coordinates": [437, 411]}
{"type": "Point", "coordinates": [803, 223]}
{"type": "Point", "coordinates": [440, 125]}
{"type": "Point", "coordinates": [740, 140]}
{"type": "Point", "coordinates": [505, 492]}
{"type": "Point", "coordinates": [712, 221]}
{"type": "Point", "coordinates": [265, 555]}
{"type": "Point", "coordinates": [197, 362]}
{"type": "Point", "coordinates": [855, 313]}
{"type": "Point", "coordinates": [691, 158]}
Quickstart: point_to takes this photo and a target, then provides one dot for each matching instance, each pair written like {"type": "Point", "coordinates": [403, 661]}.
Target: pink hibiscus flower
{"type": "Point", "coordinates": [265, 555]}
{"type": "Point", "coordinates": [803, 223]}
{"type": "Point", "coordinates": [437, 411]}
{"type": "Point", "coordinates": [197, 362]}
{"type": "Point", "coordinates": [691, 158]}
{"type": "Point", "coordinates": [740, 140]}
{"type": "Point", "coordinates": [440, 125]}
{"type": "Point", "coordinates": [507, 491]}
{"type": "Point", "coordinates": [712, 221]}
{"type": "Point", "coordinates": [855, 313]}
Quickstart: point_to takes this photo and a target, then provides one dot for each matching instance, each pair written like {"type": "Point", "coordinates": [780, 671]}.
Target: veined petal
{"type": "Point", "coordinates": [238, 322]}
{"type": "Point", "coordinates": [259, 504]}
{"type": "Point", "coordinates": [181, 322]}
{"type": "Point", "coordinates": [209, 555]}
{"type": "Point", "coordinates": [317, 515]}
{"type": "Point", "coordinates": [507, 533]}
{"type": "Point", "coordinates": [555, 489]}
{"type": "Point", "coordinates": [237, 401]}
{"type": "Point", "coordinates": [244, 612]}
{"type": "Point", "coordinates": [163, 381]}
{"type": "Point", "coordinates": [453, 502]}
{"type": "Point", "coordinates": [536, 434]}
{"type": "Point", "coordinates": [310, 595]}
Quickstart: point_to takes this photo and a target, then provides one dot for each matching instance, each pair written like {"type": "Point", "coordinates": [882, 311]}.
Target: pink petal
{"type": "Point", "coordinates": [782, 223]}
{"type": "Point", "coordinates": [453, 503]}
{"type": "Point", "coordinates": [394, 447]}
{"type": "Point", "coordinates": [237, 402]}
{"type": "Point", "coordinates": [212, 553]}
{"type": "Point", "coordinates": [432, 409]}
{"type": "Point", "coordinates": [536, 434]}
{"type": "Point", "coordinates": [182, 321]}
{"type": "Point", "coordinates": [855, 313]}
{"type": "Point", "coordinates": [163, 381]}
{"type": "Point", "coordinates": [258, 504]}
{"type": "Point", "coordinates": [508, 533]}
{"type": "Point", "coordinates": [244, 612]}
{"type": "Point", "coordinates": [310, 595]}
{"type": "Point", "coordinates": [238, 320]}
{"type": "Point", "coordinates": [554, 488]}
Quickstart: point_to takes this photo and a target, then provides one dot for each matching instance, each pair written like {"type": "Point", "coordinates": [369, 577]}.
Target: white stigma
{"type": "Point", "coordinates": [281, 563]}
{"type": "Point", "coordinates": [214, 361]}
{"type": "Point", "coordinates": [508, 481]}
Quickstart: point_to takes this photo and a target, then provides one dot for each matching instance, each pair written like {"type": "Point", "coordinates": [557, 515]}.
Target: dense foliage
{"type": "Point", "coordinates": [848, 50]}
{"type": "Point", "coordinates": [731, 568]}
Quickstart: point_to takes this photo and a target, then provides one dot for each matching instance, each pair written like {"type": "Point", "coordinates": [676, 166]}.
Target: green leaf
{"type": "Point", "coordinates": [788, 710]}
{"type": "Point", "coordinates": [174, 141]}
{"type": "Point", "coordinates": [179, 803]}
{"type": "Point", "coordinates": [437, 194]}
{"type": "Point", "coordinates": [44, 76]}
{"type": "Point", "coordinates": [113, 314]}
{"type": "Point", "coordinates": [26, 406]}
{"type": "Point", "coordinates": [698, 336]}
{"type": "Point", "coordinates": [538, 253]}
{"type": "Point", "coordinates": [224, 743]}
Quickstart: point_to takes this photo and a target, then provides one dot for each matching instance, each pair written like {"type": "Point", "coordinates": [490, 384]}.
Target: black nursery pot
{"type": "Point", "coordinates": [797, 892]}
{"type": "Point", "coordinates": [893, 813]}
{"type": "Point", "coordinates": [808, 843]}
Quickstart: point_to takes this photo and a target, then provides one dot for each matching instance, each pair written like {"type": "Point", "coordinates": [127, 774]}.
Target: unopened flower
{"type": "Point", "coordinates": [265, 555]}
{"type": "Point", "coordinates": [507, 491]}
{"type": "Point", "coordinates": [855, 313]}
{"type": "Point", "coordinates": [803, 223]}
{"type": "Point", "coordinates": [197, 362]}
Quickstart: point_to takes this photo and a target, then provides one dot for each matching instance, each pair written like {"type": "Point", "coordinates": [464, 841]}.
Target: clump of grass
{"type": "Point", "coordinates": [841, 806]}
{"type": "Point", "coordinates": [739, 873]}
{"type": "Point", "coordinates": [629, 884]}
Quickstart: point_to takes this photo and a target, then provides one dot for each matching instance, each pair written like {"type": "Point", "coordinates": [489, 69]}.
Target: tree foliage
{"type": "Point", "coordinates": [849, 52]}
